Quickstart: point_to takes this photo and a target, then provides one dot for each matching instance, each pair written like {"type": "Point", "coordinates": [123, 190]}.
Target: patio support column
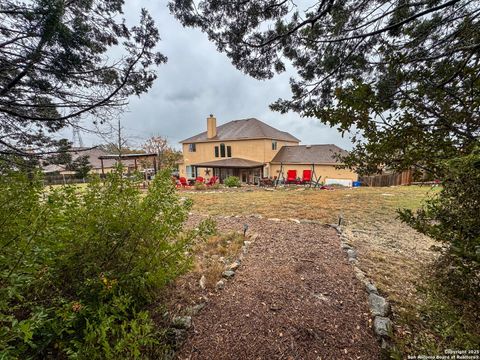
{"type": "Point", "coordinates": [103, 170]}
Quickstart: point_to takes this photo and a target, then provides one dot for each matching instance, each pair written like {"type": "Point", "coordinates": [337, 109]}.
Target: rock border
{"type": "Point", "coordinates": [379, 306]}
{"type": "Point", "coordinates": [231, 269]}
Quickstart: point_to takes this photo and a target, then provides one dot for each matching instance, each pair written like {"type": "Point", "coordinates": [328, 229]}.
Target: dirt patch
{"type": "Point", "coordinates": [294, 297]}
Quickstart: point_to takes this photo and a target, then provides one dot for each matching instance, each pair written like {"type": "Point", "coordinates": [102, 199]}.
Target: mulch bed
{"type": "Point", "coordinates": [294, 297]}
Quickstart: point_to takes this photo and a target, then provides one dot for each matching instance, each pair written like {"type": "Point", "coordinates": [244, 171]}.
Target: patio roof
{"type": "Point", "coordinates": [230, 163]}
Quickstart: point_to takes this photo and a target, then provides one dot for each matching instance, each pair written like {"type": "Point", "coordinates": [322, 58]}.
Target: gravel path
{"type": "Point", "coordinates": [294, 297]}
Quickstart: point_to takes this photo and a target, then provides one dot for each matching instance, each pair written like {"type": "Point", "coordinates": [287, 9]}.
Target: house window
{"type": "Point", "coordinates": [192, 147]}
{"type": "Point", "coordinates": [222, 150]}
{"type": "Point", "coordinates": [229, 151]}
{"type": "Point", "coordinates": [216, 151]}
{"type": "Point", "coordinates": [274, 145]}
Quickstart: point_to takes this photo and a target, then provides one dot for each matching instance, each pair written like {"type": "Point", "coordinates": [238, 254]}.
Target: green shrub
{"type": "Point", "coordinates": [232, 181]}
{"type": "Point", "coordinates": [452, 217]}
{"type": "Point", "coordinates": [77, 270]}
{"type": "Point", "coordinates": [200, 185]}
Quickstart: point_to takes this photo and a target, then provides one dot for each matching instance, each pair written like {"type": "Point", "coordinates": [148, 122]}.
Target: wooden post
{"type": "Point", "coordinates": [155, 164]}
{"type": "Point", "coordinates": [135, 162]}
{"type": "Point", "coordinates": [103, 171]}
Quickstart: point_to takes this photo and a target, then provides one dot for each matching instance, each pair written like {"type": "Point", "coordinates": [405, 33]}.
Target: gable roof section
{"type": "Point", "coordinates": [243, 130]}
{"type": "Point", "coordinates": [308, 154]}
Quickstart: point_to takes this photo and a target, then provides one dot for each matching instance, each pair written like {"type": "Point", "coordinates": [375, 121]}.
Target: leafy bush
{"type": "Point", "coordinates": [232, 181]}
{"type": "Point", "coordinates": [77, 271]}
{"type": "Point", "coordinates": [453, 218]}
{"type": "Point", "coordinates": [200, 185]}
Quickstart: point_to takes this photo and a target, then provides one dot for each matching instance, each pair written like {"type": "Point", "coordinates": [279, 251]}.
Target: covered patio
{"type": "Point", "coordinates": [248, 171]}
{"type": "Point", "coordinates": [135, 157]}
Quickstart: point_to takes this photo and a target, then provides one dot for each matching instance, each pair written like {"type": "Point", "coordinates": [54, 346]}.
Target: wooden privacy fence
{"type": "Point", "coordinates": [403, 178]}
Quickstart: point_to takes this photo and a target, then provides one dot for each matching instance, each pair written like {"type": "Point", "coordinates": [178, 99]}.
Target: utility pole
{"type": "Point", "coordinates": [76, 138]}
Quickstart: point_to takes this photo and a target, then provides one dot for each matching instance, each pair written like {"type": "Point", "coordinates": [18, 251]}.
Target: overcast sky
{"type": "Point", "coordinates": [198, 81]}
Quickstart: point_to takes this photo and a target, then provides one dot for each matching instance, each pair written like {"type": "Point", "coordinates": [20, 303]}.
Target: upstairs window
{"type": "Point", "coordinates": [192, 147]}
{"type": "Point", "coordinates": [274, 145]}
{"type": "Point", "coordinates": [217, 151]}
{"type": "Point", "coordinates": [229, 151]}
{"type": "Point", "coordinates": [222, 150]}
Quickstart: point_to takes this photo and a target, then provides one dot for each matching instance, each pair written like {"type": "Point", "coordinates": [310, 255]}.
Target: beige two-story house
{"type": "Point", "coordinates": [240, 148]}
{"type": "Point", "coordinates": [251, 149]}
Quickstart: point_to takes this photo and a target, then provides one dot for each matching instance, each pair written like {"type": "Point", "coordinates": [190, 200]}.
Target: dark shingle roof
{"type": "Point", "coordinates": [242, 130]}
{"type": "Point", "coordinates": [308, 154]}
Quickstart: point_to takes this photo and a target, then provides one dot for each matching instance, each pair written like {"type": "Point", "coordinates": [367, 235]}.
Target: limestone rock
{"type": "Point", "coordinates": [182, 322]}
{"type": "Point", "coordinates": [371, 288]}
{"type": "Point", "coordinates": [382, 326]}
{"type": "Point", "coordinates": [234, 266]}
{"type": "Point", "coordinates": [228, 274]}
{"type": "Point", "coordinates": [220, 285]}
{"type": "Point", "coordinates": [352, 254]}
{"type": "Point", "coordinates": [203, 282]}
{"type": "Point", "coordinates": [359, 274]}
{"type": "Point", "coordinates": [378, 305]}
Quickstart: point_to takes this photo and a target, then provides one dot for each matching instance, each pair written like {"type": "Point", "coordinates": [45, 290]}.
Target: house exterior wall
{"type": "Point", "coordinates": [325, 171]}
{"type": "Point", "coordinates": [259, 150]}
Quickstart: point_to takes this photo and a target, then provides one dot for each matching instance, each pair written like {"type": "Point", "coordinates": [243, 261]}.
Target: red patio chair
{"type": "Point", "coordinates": [291, 177]}
{"type": "Point", "coordinates": [307, 176]}
{"type": "Point", "coordinates": [183, 182]}
{"type": "Point", "coordinates": [212, 181]}
{"type": "Point", "coordinates": [199, 179]}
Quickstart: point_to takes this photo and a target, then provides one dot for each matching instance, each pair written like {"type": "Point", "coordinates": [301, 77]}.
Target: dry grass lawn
{"type": "Point", "coordinates": [359, 207]}
{"type": "Point", "coordinates": [396, 257]}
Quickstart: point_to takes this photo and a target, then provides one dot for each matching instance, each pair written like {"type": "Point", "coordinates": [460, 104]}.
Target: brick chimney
{"type": "Point", "coordinates": [211, 127]}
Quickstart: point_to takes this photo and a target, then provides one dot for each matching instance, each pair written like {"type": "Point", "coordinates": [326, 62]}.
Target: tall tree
{"type": "Point", "coordinates": [402, 75]}
{"type": "Point", "coordinates": [57, 64]}
{"type": "Point", "coordinates": [81, 165]}
{"type": "Point", "coordinates": [167, 155]}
